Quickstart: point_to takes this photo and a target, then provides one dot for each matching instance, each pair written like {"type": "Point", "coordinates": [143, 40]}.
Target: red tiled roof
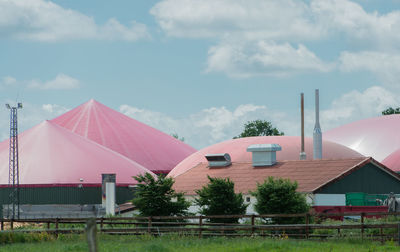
{"type": "Point", "coordinates": [309, 174]}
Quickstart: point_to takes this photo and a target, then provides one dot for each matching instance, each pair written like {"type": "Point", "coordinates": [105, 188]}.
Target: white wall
{"type": "Point", "coordinates": [329, 199]}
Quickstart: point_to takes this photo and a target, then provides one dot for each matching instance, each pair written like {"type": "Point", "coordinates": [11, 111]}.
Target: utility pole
{"type": "Point", "coordinates": [13, 172]}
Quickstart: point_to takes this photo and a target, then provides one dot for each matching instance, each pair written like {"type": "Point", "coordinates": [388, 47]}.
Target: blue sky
{"type": "Point", "coordinates": [201, 69]}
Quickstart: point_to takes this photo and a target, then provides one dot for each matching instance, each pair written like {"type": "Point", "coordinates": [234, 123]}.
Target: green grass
{"type": "Point", "coordinates": [175, 243]}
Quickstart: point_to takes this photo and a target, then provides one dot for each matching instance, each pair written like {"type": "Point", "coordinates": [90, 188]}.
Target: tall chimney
{"type": "Point", "coordinates": [302, 152]}
{"type": "Point", "coordinates": [317, 135]}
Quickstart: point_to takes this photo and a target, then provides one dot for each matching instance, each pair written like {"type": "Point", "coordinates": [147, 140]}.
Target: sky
{"type": "Point", "coordinates": [201, 68]}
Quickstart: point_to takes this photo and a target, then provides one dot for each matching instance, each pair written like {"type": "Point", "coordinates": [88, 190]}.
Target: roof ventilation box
{"type": "Point", "coordinates": [264, 154]}
{"type": "Point", "coordinates": [219, 160]}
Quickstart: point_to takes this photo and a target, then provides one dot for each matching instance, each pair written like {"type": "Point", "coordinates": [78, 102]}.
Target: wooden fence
{"type": "Point", "coordinates": [387, 227]}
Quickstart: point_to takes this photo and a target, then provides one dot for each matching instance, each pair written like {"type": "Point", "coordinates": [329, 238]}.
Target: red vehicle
{"type": "Point", "coordinates": [350, 209]}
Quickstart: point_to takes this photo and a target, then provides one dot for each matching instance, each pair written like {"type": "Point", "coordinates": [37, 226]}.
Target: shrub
{"type": "Point", "coordinates": [155, 197]}
{"type": "Point", "coordinates": [219, 198]}
{"type": "Point", "coordinates": [279, 196]}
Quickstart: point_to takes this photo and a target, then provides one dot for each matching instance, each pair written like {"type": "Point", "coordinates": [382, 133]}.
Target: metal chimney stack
{"type": "Point", "coordinates": [303, 155]}
{"type": "Point", "coordinates": [317, 135]}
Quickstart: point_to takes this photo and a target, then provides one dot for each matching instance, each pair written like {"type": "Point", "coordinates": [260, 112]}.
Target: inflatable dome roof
{"type": "Point", "coordinates": [393, 161]}
{"type": "Point", "coordinates": [237, 149]}
{"type": "Point", "coordinates": [139, 142]}
{"type": "Point", "coordinates": [52, 155]}
{"type": "Point", "coordinates": [376, 137]}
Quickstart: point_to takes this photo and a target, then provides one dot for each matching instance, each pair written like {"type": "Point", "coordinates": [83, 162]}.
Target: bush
{"type": "Point", "coordinates": [155, 197]}
{"type": "Point", "coordinates": [17, 237]}
{"type": "Point", "coordinates": [219, 198]}
{"type": "Point", "coordinates": [279, 196]}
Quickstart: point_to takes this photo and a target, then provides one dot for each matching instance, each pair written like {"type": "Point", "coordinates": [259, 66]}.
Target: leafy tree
{"type": "Point", "coordinates": [259, 128]}
{"type": "Point", "coordinates": [155, 197]}
{"type": "Point", "coordinates": [279, 196]}
{"type": "Point", "coordinates": [175, 135]}
{"type": "Point", "coordinates": [391, 111]}
{"type": "Point", "coordinates": [219, 198]}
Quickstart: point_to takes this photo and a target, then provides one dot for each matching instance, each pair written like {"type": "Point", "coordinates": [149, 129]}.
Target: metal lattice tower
{"type": "Point", "coordinates": [13, 172]}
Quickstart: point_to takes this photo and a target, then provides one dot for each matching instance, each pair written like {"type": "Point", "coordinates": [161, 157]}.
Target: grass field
{"type": "Point", "coordinates": [175, 243]}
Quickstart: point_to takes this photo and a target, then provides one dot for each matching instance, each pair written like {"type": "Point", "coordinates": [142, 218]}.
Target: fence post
{"type": "Point", "coordinates": [398, 233]}
{"type": "Point", "coordinates": [48, 225]}
{"type": "Point", "coordinates": [149, 226]}
{"type": "Point", "coordinates": [200, 226]}
{"type": "Point", "coordinates": [307, 223]}
{"type": "Point", "coordinates": [362, 225]}
{"type": "Point", "coordinates": [2, 225]}
{"type": "Point", "coordinates": [57, 227]}
{"type": "Point", "coordinates": [252, 225]}
{"type": "Point", "coordinates": [381, 234]}
{"type": "Point", "coordinates": [12, 224]}
{"type": "Point", "coordinates": [101, 224]}
{"type": "Point", "coordinates": [91, 234]}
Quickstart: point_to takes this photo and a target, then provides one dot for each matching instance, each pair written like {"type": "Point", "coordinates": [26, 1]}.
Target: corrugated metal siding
{"type": "Point", "coordinates": [64, 195]}
{"type": "Point", "coordinates": [368, 179]}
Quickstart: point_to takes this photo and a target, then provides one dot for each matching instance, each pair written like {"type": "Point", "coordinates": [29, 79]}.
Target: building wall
{"type": "Point", "coordinates": [368, 179]}
{"type": "Point", "coordinates": [64, 195]}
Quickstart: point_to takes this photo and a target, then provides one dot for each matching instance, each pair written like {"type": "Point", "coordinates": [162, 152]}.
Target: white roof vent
{"type": "Point", "coordinates": [264, 154]}
{"type": "Point", "coordinates": [218, 160]}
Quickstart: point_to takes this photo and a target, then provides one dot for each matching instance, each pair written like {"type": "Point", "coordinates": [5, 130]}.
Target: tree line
{"type": "Point", "coordinates": [154, 196]}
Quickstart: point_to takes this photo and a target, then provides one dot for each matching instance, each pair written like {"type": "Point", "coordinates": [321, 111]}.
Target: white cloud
{"type": "Point", "coordinates": [385, 65]}
{"type": "Point", "coordinates": [54, 109]}
{"type": "Point", "coordinates": [352, 20]}
{"type": "Point", "coordinates": [263, 58]}
{"type": "Point", "coordinates": [216, 124]}
{"type": "Point", "coordinates": [8, 81]}
{"type": "Point", "coordinates": [207, 126]}
{"type": "Point", "coordinates": [62, 81]}
{"type": "Point", "coordinates": [246, 19]}
{"type": "Point", "coordinates": [255, 37]}
{"type": "Point", "coordinates": [286, 20]}
{"type": "Point", "coordinates": [46, 21]}
{"type": "Point", "coordinates": [357, 105]}
{"type": "Point", "coordinates": [29, 116]}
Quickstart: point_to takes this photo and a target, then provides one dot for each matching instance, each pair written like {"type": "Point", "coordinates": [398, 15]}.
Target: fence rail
{"type": "Point", "coordinates": [249, 225]}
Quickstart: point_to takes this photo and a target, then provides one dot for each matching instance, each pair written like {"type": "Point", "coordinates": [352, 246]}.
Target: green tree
{"type": "Point", "coordinates": [279, 196]}
{"type": "Point", "coordinates": [175, 135]}
{"type": "Point", "coordinates": [219, 198]}
{"type": "Point", "coordinates": [155, 197]}
{"type": "Point", "coordinates": [391, 111]}
{"type": "Point", "coordinates": [259, 128]}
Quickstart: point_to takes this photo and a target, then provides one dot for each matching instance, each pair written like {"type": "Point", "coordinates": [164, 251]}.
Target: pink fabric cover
{"type": "Point", "coordinates": [145, 145]}
{"type": "Point", "coordinates": [50, 154]}
{"type": "Point", "coordinates": [376, 137]}
{"type": "Point", "coordinates": [393, 161]}
{"type": "Point", "coordinates": [237, 149]}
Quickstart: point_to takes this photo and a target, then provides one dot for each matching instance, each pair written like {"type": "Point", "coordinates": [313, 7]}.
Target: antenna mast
{"type": "Point", "coordinates": [13, 172]}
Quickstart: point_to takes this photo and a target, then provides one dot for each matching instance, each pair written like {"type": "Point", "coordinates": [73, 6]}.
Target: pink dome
{"type": "Point", "coordinates": [376, 137]}
{"type": "Point", "coordinates": [52, 155]}
{"type": "Point", "coordinates": [237, 149]}
{"type": "Point", "coordinates": [145, 145]}
{"type": "Point", "coordinates": [393, 161]}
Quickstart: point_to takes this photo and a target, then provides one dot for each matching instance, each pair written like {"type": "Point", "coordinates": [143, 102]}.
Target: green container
{"type": "Point", "coordinates": [355, 199]}
{"type": "Point", "coordinates": [363, 199]}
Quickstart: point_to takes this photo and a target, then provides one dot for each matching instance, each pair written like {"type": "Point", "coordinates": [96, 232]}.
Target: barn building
{"type": "Point", "coordinates": [324, 181]}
